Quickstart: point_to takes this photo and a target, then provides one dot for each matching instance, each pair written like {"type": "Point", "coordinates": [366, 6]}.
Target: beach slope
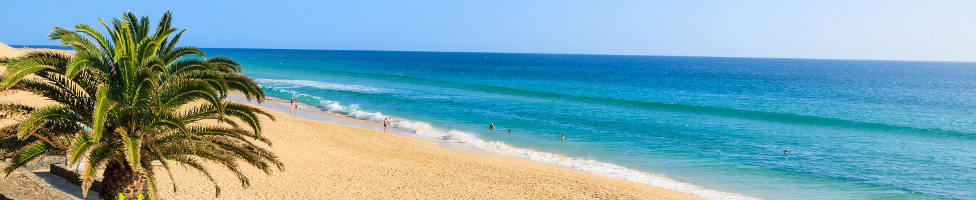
{"type": "Point", "coordinates": [9, 52]}
{"type": "Point", "coordinates": [331, 161]}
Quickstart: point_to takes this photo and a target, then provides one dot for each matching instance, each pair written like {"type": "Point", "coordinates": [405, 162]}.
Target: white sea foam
{"type": "Point", "coordinates": [282, 83]}
{"type": "Point", "coordinates": [425, 130]}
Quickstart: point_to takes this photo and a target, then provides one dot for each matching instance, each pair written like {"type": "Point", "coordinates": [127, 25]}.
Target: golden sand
{"type": "Point", "coordinates": [9, 52]}
{"type": "Point", "coordinates": [332, 161]}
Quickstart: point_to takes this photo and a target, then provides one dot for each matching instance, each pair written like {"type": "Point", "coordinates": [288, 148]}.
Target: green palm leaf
{"type": "Point", "coordinates": [26, 155]}
{"type": "Point", "coordinates": [131, 148]}
{"type": "Point", "coordinates": [102, 107]}
{"type": "Point", "coordinates": [36, 119]}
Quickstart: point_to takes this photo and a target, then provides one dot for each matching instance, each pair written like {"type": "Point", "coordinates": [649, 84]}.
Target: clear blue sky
{"type": "Point", "coordinates": [898, 30]}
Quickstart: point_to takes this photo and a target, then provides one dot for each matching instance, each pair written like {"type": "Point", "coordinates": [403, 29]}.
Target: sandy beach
{"type": "Point", "coordinates": [334, 161]}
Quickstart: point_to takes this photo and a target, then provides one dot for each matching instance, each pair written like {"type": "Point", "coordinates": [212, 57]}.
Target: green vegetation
{"type": "Point", "coordinates": [131, 97]}
{"type": "Point", "coordinates": [140, 197]}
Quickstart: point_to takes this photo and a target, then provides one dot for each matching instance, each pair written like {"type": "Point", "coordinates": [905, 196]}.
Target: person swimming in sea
{"type": "Point", "coordinates": [563, 137]}
{"type": "Point", "coordinates": [509, 131]}
{"type": "Point", "coordinates": [785, 151]}
{"type": "Point", "coordinates": [492, 126]}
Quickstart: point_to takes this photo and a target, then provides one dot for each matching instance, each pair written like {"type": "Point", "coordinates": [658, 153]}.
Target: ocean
{"type": "Point", "coordinates": [723, 128]}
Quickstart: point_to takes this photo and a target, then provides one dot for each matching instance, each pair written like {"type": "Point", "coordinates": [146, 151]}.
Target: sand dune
{"type": "Point", "coordinates": [9, 52]}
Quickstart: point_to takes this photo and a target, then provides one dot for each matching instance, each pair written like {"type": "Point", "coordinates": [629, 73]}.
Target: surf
{"type": "Point", "coordinates": [427, 131]}
{"type": "Point", "coordinates": [789, 118]}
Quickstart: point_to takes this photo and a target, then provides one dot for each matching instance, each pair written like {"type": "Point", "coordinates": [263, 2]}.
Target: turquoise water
{"type": "Point", "coordinates": [853, 129]}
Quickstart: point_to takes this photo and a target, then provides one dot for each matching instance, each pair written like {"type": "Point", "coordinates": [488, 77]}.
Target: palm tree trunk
{"type": "Point", "coordinates": [119, 177]}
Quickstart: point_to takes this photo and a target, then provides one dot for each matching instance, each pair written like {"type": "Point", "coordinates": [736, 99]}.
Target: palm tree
{"type": "Point", "coordinates": [132, 98]}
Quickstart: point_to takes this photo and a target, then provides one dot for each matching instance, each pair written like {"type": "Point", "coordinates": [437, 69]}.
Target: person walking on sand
{"type": "Point", "coordinates": [385, 121]}
{"type": "Point", "coordinates": [492, 126]}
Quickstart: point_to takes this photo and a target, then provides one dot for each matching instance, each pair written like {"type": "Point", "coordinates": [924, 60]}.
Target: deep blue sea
{"type": "Point", "coordinates": [716, 127]}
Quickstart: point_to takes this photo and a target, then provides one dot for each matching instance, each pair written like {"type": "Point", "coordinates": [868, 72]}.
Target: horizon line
{"type": "Point", "coordinates": [551, 53]}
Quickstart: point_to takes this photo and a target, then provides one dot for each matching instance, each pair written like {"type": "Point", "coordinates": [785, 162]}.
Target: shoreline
{"type": "Point", "coordinates": [326, 160]}
{"type": "Point", "coordinates": [314, 113]}
{"type": "Point", "coordinates": [372, 121]}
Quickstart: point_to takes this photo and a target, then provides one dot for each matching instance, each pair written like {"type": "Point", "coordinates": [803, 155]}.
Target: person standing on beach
{"type": "Point", "coordinates": [296, 109]}
{"type": "Point", "coordinates": [385, 121]}
{"type": "Point", "coordinates": [290, 105]}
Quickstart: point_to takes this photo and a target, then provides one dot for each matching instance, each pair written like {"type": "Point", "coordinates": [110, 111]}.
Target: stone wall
{"type": "Point", "coordinates": [72, 177]}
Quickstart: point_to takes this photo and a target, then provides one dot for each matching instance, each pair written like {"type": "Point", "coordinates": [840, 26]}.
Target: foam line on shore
{"type": "Point", "coordinates": [282, 83]}
{"type": "Point", "coordinates": [426, 131]}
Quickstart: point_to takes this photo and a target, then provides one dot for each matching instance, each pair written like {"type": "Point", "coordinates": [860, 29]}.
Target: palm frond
{"type": "Point", "coordinates": [39, 117]}
{"type": "Point", "coordinates": [26, 155]}
{"type": "Point", "coordinates": [100, 113]}
{"type": "Point", "coordinates": [30, 63]}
